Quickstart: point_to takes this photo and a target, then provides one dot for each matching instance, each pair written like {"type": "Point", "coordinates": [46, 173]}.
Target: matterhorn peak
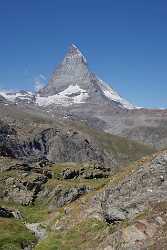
{"type": "Point", "coordinates": [74, 53]}
{"type": "Point", "coordinates": [73, 83]}
{"type": "Point", "coordinates": [74, 47]}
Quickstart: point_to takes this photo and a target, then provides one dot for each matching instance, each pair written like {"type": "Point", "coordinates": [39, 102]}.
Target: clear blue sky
{"type": "Point", "coordinates": [125, 42]}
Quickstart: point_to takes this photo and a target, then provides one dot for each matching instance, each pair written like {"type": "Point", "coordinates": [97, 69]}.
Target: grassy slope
{"type": "Point", "coordinates": [14, 235]}
{"type": "Point", "coordinates": [82, 236]}
{"type": "Point", "coordinates": [124, 150]}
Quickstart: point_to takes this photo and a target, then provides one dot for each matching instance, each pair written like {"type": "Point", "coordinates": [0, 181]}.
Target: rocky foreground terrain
{"type": "Point", "coordinates": [81, 167]}
{"type": "Point", "coordinates": [65, 185]}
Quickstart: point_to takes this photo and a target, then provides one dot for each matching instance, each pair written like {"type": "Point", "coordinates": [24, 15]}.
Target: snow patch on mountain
{"type": "Point", "coordinates": [72, 89]}
{"type": "Point", "coordinates": [113, 96]}
{"type": "Point", "coordinates": [12, 96]}
{"type": "Point", "coordinates": [72, 95]}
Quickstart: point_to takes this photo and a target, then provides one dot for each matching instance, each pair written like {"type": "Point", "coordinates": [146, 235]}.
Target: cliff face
{"type": "Point", "coordinates": [56, 145]}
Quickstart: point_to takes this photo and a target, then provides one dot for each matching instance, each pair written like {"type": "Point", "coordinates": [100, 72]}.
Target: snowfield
{"type": "Point", "coordinates": [64, 98]}
{"type": "Point", "coordinates": [113, 95]}
{"type": "Point", "coordinates": [11, 96]}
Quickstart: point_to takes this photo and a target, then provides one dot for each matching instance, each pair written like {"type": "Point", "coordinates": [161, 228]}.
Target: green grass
{"type": "Point", "coordinates": [31, 214]}
{"type": "Point", "coordinates": [58, 180]}
{"type": "Point", "coordinates": [82, 236]}
{"type": "Point", "coordinates": [13, 233]}
{"type": "Point", "coordinates": [58, 168]}
{"type": "Point", "coordinates": [123, 149]}
{"type": "Point", "coordinates": [93, 184]}
{"type": "Point", "coordinates": [6, 174]}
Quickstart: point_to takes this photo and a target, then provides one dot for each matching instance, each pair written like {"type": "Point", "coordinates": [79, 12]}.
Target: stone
{"type": "Point", "coordinates": [113, 215]}
{"type": "Point", "coordinates": [5, 212]}
{"type": "Point", "coordinates": [70, 174]}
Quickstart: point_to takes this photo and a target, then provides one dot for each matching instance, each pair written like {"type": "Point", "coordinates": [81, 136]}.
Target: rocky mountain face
{"type": "Point", "coordinates": [53, 144]}
{"type": "Point", "coordinates": [73, 83]}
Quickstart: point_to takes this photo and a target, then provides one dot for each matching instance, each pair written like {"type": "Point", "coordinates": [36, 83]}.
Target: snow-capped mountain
{"type": "Point", "coordinates": [19, 96]}
{"type": "Point", "coordinates": [72, 83]}
{"type": "Point", "coordinates": [76, 94]}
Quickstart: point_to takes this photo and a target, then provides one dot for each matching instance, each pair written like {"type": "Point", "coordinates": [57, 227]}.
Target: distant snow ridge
{"type": "Point", "coordinates": [13, 96]}
{"type": "Point", "coordinates": [113, 95]}
{"type": "Point", "coordinates": [72, 95]}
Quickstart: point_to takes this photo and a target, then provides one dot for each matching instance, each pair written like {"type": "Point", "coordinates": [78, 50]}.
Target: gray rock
{"type": "Point", "coordinates": [8, 213]}
{"type": "Point", "coordinates": [70, 174]}
{"type": "Point", "coordinates": [114, 214]}
{"type": "Point", "coordinates": [52, 144]}
{"type": "Point", "coordinates": [5, 212]}
{"type": "Point", "coordinates": [37, 228]}
{"type": "Point", "coordinates": [133, 194]}
{"type": "Point", "coordinates": [61, 197]}
{"type": "Point", "coordinates": [95, 174]}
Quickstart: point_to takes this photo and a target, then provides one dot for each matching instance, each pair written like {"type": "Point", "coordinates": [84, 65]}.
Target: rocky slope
{"type": "Point", "coordinates": [64, 185]}
{"type": "Point", "coordinates": [46, 164]}
{"type": "Point", "coordinates": [129, 212]}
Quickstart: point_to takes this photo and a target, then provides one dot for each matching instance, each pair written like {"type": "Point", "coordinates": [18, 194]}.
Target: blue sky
{"type": "Point", "coordinates": [125, 43]}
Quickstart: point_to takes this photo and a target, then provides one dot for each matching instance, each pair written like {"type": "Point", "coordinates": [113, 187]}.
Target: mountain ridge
{"type": "Point", "coordinates": [74, 71]}
{"type": "Point", "coordinates": [72, 83]}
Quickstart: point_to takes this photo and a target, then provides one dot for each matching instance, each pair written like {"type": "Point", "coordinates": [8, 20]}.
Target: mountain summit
{"type": "Point", "coordinates": [73, 83]}
{"type": "Point", "coordinates": [76, 54]}
{"type": "Point", "coordinates": [72, 71]}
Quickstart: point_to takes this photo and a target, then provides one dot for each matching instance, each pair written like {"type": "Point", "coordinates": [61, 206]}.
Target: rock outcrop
{"type": "Point", "coordinates": [132, 195]}
{"type": "Point", "coordinates": [53, 144]}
